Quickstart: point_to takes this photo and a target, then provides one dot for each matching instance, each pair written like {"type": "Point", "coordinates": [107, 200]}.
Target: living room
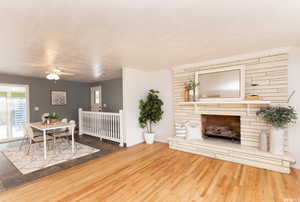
{"type": "Point", "coordinates": [149, 101]}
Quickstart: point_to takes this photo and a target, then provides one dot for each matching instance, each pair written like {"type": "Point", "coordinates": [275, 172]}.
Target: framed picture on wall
{"type": "Point", "coordinates": [58, 97]}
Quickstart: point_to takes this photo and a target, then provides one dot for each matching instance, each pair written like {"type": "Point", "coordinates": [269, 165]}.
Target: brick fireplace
{"type": "Point", "coordinates": [269, 74]}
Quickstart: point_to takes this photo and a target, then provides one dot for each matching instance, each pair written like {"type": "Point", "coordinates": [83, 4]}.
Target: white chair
{"type": "Point", "coordinates": [65, 134]}
{"type": "Point", "coordinates": [64, 120]}
{"type": "Point", "coordinates": [44, 117]}
{"type": "Point", "coordinates": [72, 122]}
{"type": "Point", "coordinates": [32, 137]}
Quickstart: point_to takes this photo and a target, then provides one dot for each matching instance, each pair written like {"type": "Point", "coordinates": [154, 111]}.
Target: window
{"type": "Point", "coordinates": [97, 97]}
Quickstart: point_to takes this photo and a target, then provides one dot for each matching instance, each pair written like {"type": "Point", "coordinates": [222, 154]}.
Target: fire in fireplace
{"type": "Point", "coordinates": [221, 126]}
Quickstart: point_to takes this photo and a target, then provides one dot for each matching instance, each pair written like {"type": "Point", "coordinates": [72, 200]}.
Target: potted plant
{"type": "Point", "coordinates": [191, 85]}
{"type": "Point", "coordinates": [53, 117]}
{"type": "Point", "coordinates": [279, 117]}
{"type": "Point", "coordinates": [150, 113]}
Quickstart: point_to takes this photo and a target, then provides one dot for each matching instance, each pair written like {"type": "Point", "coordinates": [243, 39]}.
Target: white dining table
{"type": "Point", "coordinates": [48, 127]}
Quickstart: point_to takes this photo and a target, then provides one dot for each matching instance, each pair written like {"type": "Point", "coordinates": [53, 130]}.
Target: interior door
{"type": "Point", "coordinates": [96, 99]}
{"type": "Point", "coordinates": [14, 111]}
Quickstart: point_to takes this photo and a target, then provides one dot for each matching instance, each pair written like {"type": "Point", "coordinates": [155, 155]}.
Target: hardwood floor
{"type": "Point", "coordinates": [155, 173]}
{"type": "Point", "coordinates": [11, 177]}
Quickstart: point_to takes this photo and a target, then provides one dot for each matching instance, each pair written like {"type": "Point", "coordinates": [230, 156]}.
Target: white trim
{"type": "Point", "coordinates": [265, 53]}
{"type": "Point", "coordinates": [159, 139]}
{"type": "Point", "coordinates": [242, 81]}
{"type": "Point", "coordinates": [28, 104]}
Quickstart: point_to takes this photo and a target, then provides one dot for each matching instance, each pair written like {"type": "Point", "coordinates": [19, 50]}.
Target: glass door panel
{"type": "Point", "coordinates": [18, 116]}
{"type": "Point", "coordinates": [96, 99]}
{"type": "Point", "coordinates": [13, 111]}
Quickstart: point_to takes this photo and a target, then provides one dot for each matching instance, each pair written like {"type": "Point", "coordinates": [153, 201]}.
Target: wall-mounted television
{"type": "Point", "coordinates": [221, 83]}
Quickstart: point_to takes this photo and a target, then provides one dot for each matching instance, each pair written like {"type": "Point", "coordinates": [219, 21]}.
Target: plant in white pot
{"type": "Point", "coordinates": [279, 117]}
{"type": "Point", "coordinates": [150, 113]}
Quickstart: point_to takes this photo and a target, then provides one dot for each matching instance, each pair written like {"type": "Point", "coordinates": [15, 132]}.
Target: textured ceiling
{"type": "Point", "coordinates": [96, 38]}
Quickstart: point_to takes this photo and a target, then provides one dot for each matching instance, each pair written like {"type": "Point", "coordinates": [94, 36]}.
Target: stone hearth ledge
{"type": "Point", "coordinates": [234, 152]}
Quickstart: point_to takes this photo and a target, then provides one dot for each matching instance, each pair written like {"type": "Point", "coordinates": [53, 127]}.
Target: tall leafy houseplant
{"type": "Point", "coordinates": [279, 117]}
{"type": "Point", "coordinates": [150, 113]}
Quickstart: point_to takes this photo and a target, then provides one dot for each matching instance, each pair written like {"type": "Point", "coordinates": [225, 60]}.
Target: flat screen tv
{"type": "Point", "coordinates": [222, 83]}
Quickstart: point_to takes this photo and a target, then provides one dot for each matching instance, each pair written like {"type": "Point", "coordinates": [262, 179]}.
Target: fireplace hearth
{"type": "Point", "coordinates": [221, 126]}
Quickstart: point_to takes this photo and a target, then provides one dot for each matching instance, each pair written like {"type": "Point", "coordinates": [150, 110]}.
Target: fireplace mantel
{"type": "Point", "coordinates": [248, 103]}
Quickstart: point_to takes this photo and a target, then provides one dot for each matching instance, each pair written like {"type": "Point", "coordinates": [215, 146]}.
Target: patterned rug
{"type": "Point", "coordinates": [27, 163]}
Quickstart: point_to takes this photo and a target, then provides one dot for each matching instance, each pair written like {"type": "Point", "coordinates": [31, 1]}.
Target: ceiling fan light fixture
{"type": "Point", "coordinates": [52, 76]}
{"type": "Point", "coordinates": [56, 77]}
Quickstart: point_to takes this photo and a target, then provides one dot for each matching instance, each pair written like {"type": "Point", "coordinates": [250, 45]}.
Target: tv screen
{"type": "Point", "coordinates": [222, 84]}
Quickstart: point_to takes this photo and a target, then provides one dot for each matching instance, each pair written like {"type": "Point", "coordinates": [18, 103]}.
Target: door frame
{"type": "Point", "coordinates": [26, 86]}
{"type": "Point", "coordinates": [93, 96]}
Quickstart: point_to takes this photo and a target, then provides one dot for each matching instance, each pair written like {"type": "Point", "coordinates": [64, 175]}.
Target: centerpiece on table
{"type": "Point", "coordinates": [53, 118]}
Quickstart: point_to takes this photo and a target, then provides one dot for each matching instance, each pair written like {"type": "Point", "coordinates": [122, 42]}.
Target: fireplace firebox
{"type": "Point", "coordinates": [221, 126]}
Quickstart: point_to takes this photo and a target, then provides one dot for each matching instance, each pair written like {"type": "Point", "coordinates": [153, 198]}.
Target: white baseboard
{"type": "Point", "coordinates": [163, 140]}
{"type": "Point", "coordinates": [135, 143]}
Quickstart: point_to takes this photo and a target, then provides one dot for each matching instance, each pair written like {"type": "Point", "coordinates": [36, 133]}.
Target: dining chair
{"type": "Point", "coordinates": [65, 134]}
{"type": "Point", "coordinates": [64, 120]}
{"type": "Point", "coordinates": [61, 130]}
{"type": "Point", "coordinates": [44, 117]}
{"type": "Point", "coordinates": [32, 137]}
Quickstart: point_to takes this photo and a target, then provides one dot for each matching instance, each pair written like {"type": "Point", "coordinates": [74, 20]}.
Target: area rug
{"type": "Point", "coordinates": [27, 163]}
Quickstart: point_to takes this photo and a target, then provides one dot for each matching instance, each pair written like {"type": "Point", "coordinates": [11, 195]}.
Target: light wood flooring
{"type": "Point", "coordinates": [155, 173]}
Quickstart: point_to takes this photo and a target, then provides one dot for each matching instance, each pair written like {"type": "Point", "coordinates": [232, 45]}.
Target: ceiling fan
{"type": "Point", "coordinates": [55, 73]}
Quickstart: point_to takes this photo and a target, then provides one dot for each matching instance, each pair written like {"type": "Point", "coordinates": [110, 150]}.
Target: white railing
{"type": "Point", "coordinates": [104, 125]}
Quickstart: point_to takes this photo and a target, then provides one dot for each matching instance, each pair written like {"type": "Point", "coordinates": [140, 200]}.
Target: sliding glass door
{"type": "Point", "coordinates": [14, 111]}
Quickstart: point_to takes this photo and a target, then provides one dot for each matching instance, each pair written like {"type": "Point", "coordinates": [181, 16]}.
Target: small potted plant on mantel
{"type": "Point", "coordinates": [191, 85]}
{"type": "Point", "coordinates": [150, 113]}
{"type": "Point", "coordinates": [279, 117]}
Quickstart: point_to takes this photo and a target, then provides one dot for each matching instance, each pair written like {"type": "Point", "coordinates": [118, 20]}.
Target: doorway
{"type": "Point", "coordinates": [14, 111]}
{"type": "Point", "coordinates": [96, 99]}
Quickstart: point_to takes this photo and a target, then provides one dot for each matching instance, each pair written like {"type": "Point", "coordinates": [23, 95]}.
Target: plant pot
{"type": "Point", "coordinates": [277, 141]}
{"type": "Point", "coordinates": [54, 121]}
{"type": "Point", "coordinates": [149, 138]}
{"type": "Point", "coordinates": [186, 95]}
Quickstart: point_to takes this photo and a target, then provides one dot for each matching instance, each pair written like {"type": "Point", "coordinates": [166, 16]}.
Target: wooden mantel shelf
{"type": "Point", "coordinates": [246, 102]}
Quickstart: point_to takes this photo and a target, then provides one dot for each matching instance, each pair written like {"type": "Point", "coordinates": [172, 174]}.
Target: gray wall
{"type": "Point", "coordinates": [78, 95]}
{"type": "Point", "coordinates": [112, 94]}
